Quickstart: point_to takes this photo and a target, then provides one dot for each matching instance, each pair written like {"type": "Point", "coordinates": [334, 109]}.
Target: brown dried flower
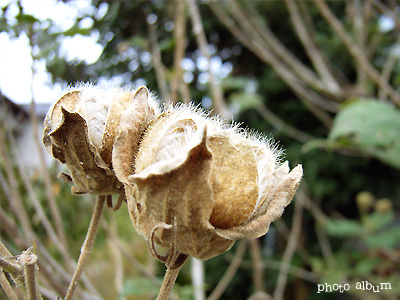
{"type": "Point", "coordinates": [80, 131]}
{"type": "Point", "coordinates": [199, 185]}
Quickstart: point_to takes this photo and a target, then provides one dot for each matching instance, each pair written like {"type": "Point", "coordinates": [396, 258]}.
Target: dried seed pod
{"type": "Point", "coordinates": [80, 131]}
{"type": "Point", "coordinates": [199, 186]}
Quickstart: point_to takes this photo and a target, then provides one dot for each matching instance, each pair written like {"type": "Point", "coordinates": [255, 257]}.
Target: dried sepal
{"type": "Point", "coordinates": [71, 146]}
{"type": "Point", "coordinates": [134, 122]}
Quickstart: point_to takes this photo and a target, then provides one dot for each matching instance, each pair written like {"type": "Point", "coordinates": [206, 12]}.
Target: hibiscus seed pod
{"type": "Point", "coordinates": [80, 131]}
{"type": "Point", "coordinates": [199, 185]}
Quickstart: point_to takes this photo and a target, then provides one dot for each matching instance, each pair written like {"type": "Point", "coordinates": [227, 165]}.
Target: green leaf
{"type": "Point", "coordinates": [75, 29]}
{"type": "Point", "coordinates": [245, 101]}
{"type": "Point", "coordinates": [366, 266]}
{"type": "Point", "coordinates": [344, 228]}
{"type": "Point", "coordinates": [389, 239]}
{"type": "Point", "coordinates": [234, 82]}
{"type": "Point", "coordinates": [138, 41]}
{"type": "Point", "coordinates": [26, 18]}
{"type": "Point", "coordinates": [370, 126]}
{"type": "Point", "coordinates": [139, 287]}
{"type": "Point", "coordinates": [377, 221]}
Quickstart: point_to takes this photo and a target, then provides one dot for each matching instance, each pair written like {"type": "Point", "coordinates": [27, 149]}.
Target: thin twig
{"type": "Point", "coordinates": [389, 65]}
{"type": "Point", "coordinates": [37, 205]}
{"type": "Point", "coordinates": [310, 98]}
{"type": "Point", "coordinates": [356, 52]}
{"type": "Point", "coordinates": [47, 265]}
{"type": "Point", "coordinates": [279, 124]}
{"type": "Point", "coordinates": [135, 263]}
{"type": "Point", "coordinates": [11, 267]}
{"type": "Point", "coordinates": [157, 61]}
{"type": "Point", "coordinates": [271, 264]}
{"type": "Point", "coordinates": [198, 30]}
{"type": "Point", "coordinates": [311, 48]}
{"type": "Point", "coordinates": [360, 33]}
{"type": "Point", "coordinates": [256, 29]}
{"type": "Point", "coordinates": [291, 246]}
{"type": "Point", "coordinates": [179, 51]}
{"type": "Point", "coordinates": [28, 262]}
{"type": "Point", "coordinates": [258, 268]}
{"type": "Point", "coordinates": [230, 272]}
{"type": "Point", "coordinates": [45, 222]}
{"type": "Point", "coordinates": [15, 202]}
{"type": "Point", "coordinates": [325, 246]}
{"type": "Point", "coordinates": [86, 247]}
{"type": "Point", "coordinates": [55, 211]}
{"type": "Point", "coordinates": [7, 287]}
{"type": "Point", "coordinates": [285, 232]}
{"type": "Point", "coordinates": [117, 260]}
{"type": "Point", "coordinates": [387, 11]}
{"type": "Point", "coordinates": [3, 250]}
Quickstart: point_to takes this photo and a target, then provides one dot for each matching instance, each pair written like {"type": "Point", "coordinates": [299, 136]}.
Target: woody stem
{"type": "Point", "coordinates": [168, 282]}
{"type": "Point", "coordinates": [86, 247]}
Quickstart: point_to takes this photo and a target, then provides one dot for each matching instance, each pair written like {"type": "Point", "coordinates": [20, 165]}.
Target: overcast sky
{"type": "Point", "coordinates": [15, 58]}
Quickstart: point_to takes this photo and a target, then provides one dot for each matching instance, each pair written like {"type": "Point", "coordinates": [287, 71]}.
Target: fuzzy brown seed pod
{"type": "Point", "coordinates": [80, 131]}
{"type": "Point", "coordinates": [199, 185]}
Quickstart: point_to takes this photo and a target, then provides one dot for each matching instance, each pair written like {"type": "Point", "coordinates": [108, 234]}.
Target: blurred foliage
{"type": "Point", "coordinates": [366, 126]}
{"type": "Point", "coordinates": [339, 163]}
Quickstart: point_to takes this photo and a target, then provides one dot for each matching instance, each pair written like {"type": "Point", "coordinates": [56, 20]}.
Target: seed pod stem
{"type": "Point", "coordinates": [86, 247]}
{"type": "Point", "coordinates": [168, 282]}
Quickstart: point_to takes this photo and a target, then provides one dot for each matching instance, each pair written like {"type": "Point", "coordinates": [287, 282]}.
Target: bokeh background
{"type": "Point", "coordinates": [320, 77]}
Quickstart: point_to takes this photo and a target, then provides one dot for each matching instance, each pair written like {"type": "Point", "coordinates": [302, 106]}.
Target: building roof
{"type": "Point", "coordinates": [12, 114]}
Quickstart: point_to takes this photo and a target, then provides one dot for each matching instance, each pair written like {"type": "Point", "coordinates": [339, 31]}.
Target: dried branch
{"type": "Point", "coordinates": [291, 246]}
{"type": "Point", "coordinates": [7, 287]}
{"type": "Point", "coordinates": [280, 125]}
{"type": "Point", "coordinates": [157, 61]}
{"type": "Point", "coordinates": [43, 218]}
{"type": "Point", "coordinates": [47, 265]}
{"type": "Point", "coordinates": [16, 203]}
{"type": "Point", "coordinates": [198, 30]}
{"type": "Point", "coordinates": [292, 270]}
{"type": "Point", "coordinates": [10, 266]}
{"type": "Point", "coordinates": [389, 65]}
{"type": "Point", "coordinates": [230, 272]}
{"type": "Point", "coordinates": [310, 98]}
{"type": "Point", "coordinates": [117, 260]}
{"type": "Point", "coordinates": [55, 211]}
{"type": "Point", "coordinates": [3, 250]}
{"type": "Point", "coordinates": [179, 51]}
{"type": "Point", "coordinates": [37, 205]}
{"type": "Point", "coordinates": [311, 48]}
{"type": "Point", "coordinates": [87, 246]}
{"type": "Point", "coordinates": [387, 11]}
{"type": "Point", "coordinates": [258, 267]}
{"type": "Point", "coordinates": [10, 227]}
{"type": "Point", "coordinates": [285, 232]}
{"type": "Point", "coordinates": [136, 264]}
{"type": "Point", "coordinates": [325, 246]}
{"type": "Point", "coordinates": [361, 40]}
{"type": "Point", "coordinates": [356, 52]}
{"type": "Point", "coordinates": [28, 262]}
